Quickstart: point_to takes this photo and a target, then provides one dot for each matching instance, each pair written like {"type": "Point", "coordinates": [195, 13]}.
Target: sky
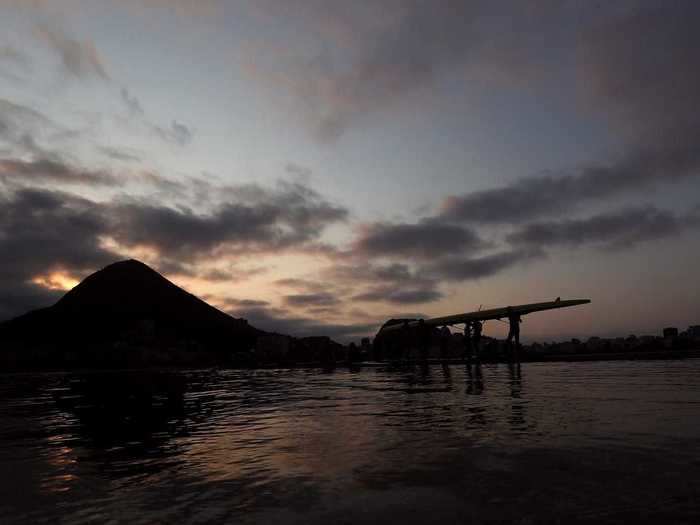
{"type": "Point", "coordinates": [318, 167]}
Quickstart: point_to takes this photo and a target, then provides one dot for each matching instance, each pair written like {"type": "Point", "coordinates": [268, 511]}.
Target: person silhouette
{"type": "Point", "coordinates": [467, 355]}
{"type": "Point", "coordinates": [514, 321]}
{"type": "Point", "coordinates": [477, 328]}
{"type": "Point", "coordinates": [445, 335]}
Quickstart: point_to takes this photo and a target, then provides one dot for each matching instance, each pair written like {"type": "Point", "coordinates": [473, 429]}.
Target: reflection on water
{"type": "Point", "coordinates": [599, 442]}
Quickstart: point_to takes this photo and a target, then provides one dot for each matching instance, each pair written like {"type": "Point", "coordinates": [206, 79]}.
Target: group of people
{"type": "Point", "coordinates": [472, 337]}
{"type": "Point", "coordinates": [472, 340]}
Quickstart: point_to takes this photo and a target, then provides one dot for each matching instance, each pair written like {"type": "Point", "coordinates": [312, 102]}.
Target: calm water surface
{"type": "Point", "coordinates": [606, 442]}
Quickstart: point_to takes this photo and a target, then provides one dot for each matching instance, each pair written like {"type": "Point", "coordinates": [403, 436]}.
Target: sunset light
{"type": "Point", "coordinates": [349, 261]}
{"type": "Point", "coordinates": [56, 281]}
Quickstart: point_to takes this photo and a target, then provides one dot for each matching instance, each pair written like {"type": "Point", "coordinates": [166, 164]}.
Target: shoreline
{"type": "Point", "coordinates": [656, 355]}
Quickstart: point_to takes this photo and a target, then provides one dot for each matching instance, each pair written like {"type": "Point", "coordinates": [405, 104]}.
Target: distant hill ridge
{"type": "Point", "coordinates": [126, 304]}
{"type": "Point", "coordinates": [133, 288]}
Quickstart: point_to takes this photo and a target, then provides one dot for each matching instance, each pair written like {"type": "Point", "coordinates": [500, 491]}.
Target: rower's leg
{"type": "Point", "coordinates": [509, 343]}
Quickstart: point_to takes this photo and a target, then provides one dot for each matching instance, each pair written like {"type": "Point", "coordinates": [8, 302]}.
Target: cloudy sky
{"type": "Point", "coordinates": [318, 166]}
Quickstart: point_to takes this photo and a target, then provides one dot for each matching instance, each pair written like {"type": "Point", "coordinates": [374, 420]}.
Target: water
{"type": "Point", "coordinates": [606, 442]}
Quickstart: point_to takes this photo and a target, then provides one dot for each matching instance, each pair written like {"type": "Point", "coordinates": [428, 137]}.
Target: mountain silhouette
{"type": "Point", "coordinates": [126, 313]}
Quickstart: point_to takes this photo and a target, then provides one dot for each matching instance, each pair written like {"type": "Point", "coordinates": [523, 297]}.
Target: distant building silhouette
{"type": "Point", "coordinates": [273, 347]}
{"type": "Point", "coordinates": [670, 332]}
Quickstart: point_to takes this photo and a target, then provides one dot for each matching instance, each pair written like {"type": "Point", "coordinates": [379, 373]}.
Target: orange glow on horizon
{"type": "Point", "coordinates": [56, 281]}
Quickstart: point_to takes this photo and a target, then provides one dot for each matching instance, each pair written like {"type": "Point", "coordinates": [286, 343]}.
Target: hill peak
{"type": "Point", "coordinates": [127, 265]}
{"type": "Point", "coordinates": [128, 304]}
{"type": "Point", "coordinates": [128, 283]}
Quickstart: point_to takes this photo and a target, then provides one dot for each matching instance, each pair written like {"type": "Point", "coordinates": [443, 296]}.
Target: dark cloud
{"type": "Point", "coordinates": [414, 296]}
{"type": "Point", "coordinates": [386, 69]}
{"type": "Point", "coordinates": [80, 59]}
{"type": "Point", "coordinates": [549, 195]}
{"type": "Point", "coordinates": [218, 275]}
{"type": "Point", "coordinates": [250, 217]}
{"type": "Point", "coordinates": [245, 303]}
{"type": "Point", "coordinates": [53, 226]}
{"type": "Point", "coordinates": [424, 240]}
{"type": "Point", "coordinates": [395, 283]}
{"type": "Point", "coordinates": [26, 132]}
{"type": "Point", "coordinates": [281, 321]}
{"type": "Point", "coordinates": [257, 220]}
{"type": "Point", "coordinates": [306, 285]}
{"type": "Point", "coordinates": [19, 123]}
{"type": "Point", "coordinates": [230, 275]}
{"type": "Point", "coordinates": [191, 268]}
{"type": "Point", "coordinates": [297, 170]}
{"type": "Point", "coordinates": [398, 295]}
{"type": "Point", "coordinates": [48, 167]}
{"type": "Point", "coordinates": [437, 251]}
{"type": "Point", "coordinates": [165, 186]}
{"type": "Point", "coordinates": [395, 272]}
{"type": "Point", "coordinates": [180, 7]}
{"type": "Point", "coordinates": [118, 154]}
{"type": "Point", "coordinates": [132, 103]}
{"type": "Point", "coordinates": [177, 133]}
{"type": "Point", "coordinates": [173, 268]}
{"type": "Point", "coordinates": [639, 71]}
{"type": "Point", "coordinates": [47, 170]}
{"type": "Point", "coordinates": [398, 275]}
{"type": "Point", "coordinates": [374, 54]}
{"type": "Point", "coordinates": [458, 269]}
{"type": "Point", "coordinates": [311, 299]}
{"type": "Point", "coordinates": [42, 232]}
{"type": "Point", "coordinates": [619, 229]}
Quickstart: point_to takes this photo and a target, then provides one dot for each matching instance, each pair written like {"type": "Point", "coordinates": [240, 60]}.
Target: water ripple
{"type": "Point", "coordinates": [208, 446]}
